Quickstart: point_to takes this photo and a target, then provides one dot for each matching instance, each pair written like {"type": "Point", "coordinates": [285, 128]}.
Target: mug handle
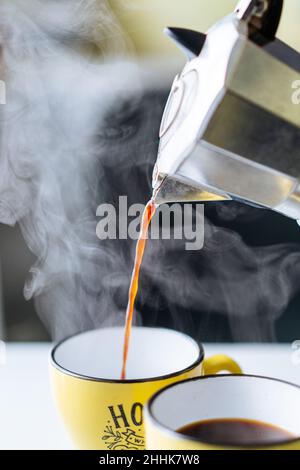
{"type": "Point", "coordinates": [219, 363]}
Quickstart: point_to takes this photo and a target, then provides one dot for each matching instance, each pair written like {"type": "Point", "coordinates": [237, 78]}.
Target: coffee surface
{"type": "Point", "coordinates": [235, 432]}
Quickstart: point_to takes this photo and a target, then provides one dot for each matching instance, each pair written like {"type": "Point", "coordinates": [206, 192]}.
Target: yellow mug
{"type": "Point", "coordinates": [243, 397]}
{"type": "Point", "coordinates": [101, 411]}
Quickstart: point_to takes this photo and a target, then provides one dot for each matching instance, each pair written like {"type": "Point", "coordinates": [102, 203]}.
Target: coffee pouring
{"type": "Point", "coordinates": [230, 129]}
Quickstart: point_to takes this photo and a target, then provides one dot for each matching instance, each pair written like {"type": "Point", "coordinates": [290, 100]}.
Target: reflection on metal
{"type": "Point", "coordinates": [173, 190]}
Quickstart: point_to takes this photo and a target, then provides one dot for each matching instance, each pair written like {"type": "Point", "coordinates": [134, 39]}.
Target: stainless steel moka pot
{"type": "Point", "coordinates": [230, 130]}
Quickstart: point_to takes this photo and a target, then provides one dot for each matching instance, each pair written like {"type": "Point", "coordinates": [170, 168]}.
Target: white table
{"type": "Point", "coordinates": [28, 419]}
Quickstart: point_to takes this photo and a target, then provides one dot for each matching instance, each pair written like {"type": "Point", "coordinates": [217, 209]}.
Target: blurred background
{"type": "Point", "coordinates": [142, 22]}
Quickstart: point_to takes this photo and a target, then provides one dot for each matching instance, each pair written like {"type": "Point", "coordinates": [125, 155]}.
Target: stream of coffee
{"type": "Point", "coordinates": [134, 283]}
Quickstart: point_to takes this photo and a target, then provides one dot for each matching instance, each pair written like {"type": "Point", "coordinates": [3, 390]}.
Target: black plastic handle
{"type": "Point", "coordinates": [271, 19]}
{"type": "Point", "coordinates": [262, 16]}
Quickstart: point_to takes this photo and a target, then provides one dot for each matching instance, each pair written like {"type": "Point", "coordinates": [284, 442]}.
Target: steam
{"type": "Point", "coordinates": [76, 132]}
{"type": "Point", "coordinates": [50, 153]}
{"type": "Point", "coordinates": [248, 287]}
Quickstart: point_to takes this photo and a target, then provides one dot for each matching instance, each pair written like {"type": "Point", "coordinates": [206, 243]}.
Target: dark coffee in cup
{"type": "Point", "coordinates": [235, 432]}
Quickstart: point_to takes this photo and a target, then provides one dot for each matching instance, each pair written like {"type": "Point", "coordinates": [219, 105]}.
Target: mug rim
{"type": "Point", "coordinates": [148, 413]}
{"type": "Point", "coordinates": [64, 370]}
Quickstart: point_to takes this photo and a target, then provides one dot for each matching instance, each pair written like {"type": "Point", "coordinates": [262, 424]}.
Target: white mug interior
{"type": "Point", "coordinates": [228, 396]}
{"type": "Point", "coordinates": [153, 353]}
